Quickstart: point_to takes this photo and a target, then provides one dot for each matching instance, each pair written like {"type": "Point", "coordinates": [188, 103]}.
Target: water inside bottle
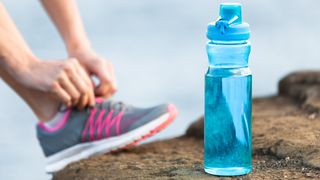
{"type": "Point", "coordinates": [228, 125]}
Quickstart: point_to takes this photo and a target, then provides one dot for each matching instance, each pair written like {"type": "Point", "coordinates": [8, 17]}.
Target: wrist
{"type": "Point", "coordinates": [24, 69]}
{"type": "Point", "coordinates": [76, 44]}
{"type": "Point", "coordinates": [18, 63]}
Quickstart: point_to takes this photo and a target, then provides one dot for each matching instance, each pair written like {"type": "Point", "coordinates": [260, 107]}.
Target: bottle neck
{"type": "Point", "coordinates": [228, 54]}
{"type": "Point", "coordinates": [227, 42]}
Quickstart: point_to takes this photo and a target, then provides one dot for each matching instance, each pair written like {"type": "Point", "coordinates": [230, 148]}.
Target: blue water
{"type": "Point", "coordinates": [227, 139]}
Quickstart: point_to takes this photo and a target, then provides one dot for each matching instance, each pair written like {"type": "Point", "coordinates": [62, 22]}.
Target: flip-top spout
{"type": "Point", "coordinates": [231, 12]}
{"type": "Point", "coordinates": [229, 25]}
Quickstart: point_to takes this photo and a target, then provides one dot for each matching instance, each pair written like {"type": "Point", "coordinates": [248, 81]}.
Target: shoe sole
{"type": "Point", "coordinates": [81, 151]}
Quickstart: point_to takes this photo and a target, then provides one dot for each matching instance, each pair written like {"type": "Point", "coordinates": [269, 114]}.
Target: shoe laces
{"type": "Point", "coordinates": [112, 113]}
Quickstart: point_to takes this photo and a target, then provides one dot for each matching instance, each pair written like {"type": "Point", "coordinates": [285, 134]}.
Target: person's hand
{"type": "Point", "coordinates": [66, 80]}
{"type": "Point", "coordinates": [98, 66]}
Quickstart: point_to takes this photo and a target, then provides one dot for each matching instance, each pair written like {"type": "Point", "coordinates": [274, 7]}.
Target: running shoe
{"type": "Point", "coordinates": [109, 126]}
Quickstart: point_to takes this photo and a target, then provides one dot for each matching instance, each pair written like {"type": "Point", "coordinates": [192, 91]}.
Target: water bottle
{"type": "Point", "coordinates": [227, 127]}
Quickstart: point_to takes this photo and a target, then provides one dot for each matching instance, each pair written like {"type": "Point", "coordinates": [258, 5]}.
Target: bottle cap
{"type": "Point", "coordinates": [229, 25]}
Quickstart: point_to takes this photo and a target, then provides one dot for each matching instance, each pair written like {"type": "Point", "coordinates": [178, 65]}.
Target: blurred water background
{"type": "Point", "coordinates": [158, 50]}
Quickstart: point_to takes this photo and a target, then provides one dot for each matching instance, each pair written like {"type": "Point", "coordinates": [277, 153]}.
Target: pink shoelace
{"type": "Point", "coordinates": [97, 125]}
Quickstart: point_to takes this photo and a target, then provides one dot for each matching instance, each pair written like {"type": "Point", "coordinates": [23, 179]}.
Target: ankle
{"type": "Point", "coordinates": [44, 109]}
{"type": "Point", "coordinates": [43, 105]}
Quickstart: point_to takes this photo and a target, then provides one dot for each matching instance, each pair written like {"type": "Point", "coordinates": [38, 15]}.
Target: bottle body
{"type": "Point", "coordinates": [227, 136]}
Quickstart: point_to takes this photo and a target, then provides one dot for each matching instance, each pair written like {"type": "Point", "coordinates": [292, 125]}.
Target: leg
{"type": "Point", "coordinates": [42, 104]}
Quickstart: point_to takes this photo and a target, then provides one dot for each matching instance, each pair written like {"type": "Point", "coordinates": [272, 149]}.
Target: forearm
{"type": "Point", "coordinates": [65, 15]}
{"type": "Point", "coordinates": [14, 52]}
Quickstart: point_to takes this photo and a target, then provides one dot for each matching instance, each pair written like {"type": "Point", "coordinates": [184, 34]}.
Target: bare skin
{"type": "Point", "coordinates": [67, 20]}
{"type": "Point", "coordinates": [45, 85]}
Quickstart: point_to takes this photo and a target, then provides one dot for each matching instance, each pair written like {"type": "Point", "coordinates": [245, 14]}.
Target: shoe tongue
{"type": "Point", "coordinates": [118, 106]}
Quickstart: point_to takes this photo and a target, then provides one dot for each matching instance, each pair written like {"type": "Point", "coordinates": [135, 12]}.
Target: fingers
{"type": "Point", "coordinates": [106, 75]}
{"type": "Point", "coordinates": [75, 84]}
{"type": "Point", "coordinates": [83, 82]}
{"type": "Point", "coordinates": [89, 86]}
{"type": "Point", "coordinates": [61, 94]}
{"type": "Point", "coordinates": [83, 101]}
{"type": "Point", "coordinates": [76, 78]}
{"type": "Point", "coordinates": [113, 78]}
{"type": "Point", "coordinates": [70, 88]}
{"type": "Point", "coordinates": [112, 82]}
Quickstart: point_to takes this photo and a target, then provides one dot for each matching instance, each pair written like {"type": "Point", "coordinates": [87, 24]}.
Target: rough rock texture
{"type": "Point", "coordinates": [286, 143]}
{"type": "Point", "coordinates": [304, 87]}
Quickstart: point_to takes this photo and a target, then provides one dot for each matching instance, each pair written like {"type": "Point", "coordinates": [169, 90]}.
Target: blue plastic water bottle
{"type": "Point", "coordinates": [227, 131]}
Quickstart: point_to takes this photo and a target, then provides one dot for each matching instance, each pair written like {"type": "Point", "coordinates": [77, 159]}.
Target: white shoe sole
{"type": "Point", "coordinates": [61, 159]}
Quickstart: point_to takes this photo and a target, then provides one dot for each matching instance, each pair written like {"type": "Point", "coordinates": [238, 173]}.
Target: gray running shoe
{"type": "Point", "coordinates": [109, 126]}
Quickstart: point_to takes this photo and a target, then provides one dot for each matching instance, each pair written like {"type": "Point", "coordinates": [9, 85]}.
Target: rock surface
{"type": "Point", "coordinates": [286, 143]}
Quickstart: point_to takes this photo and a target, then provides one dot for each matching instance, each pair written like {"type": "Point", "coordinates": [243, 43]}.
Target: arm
{"type": "Point", "coordinates": [14, 52]}
{"type": "Point", "coordinates": [21, 69]}
{"type": "Point", "coordinates": [66, 17]}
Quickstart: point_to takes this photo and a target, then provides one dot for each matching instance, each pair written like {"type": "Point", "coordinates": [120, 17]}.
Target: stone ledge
{"type": "Point", "coordinates": [286, 143]}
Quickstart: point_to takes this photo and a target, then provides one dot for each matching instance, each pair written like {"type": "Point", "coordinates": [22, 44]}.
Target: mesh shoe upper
{"type": "Point", "coordinates": [107, 119]}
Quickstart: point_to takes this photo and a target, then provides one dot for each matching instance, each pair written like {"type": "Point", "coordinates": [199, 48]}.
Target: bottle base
{"type": "Point", "coordinates": [231, 171]}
